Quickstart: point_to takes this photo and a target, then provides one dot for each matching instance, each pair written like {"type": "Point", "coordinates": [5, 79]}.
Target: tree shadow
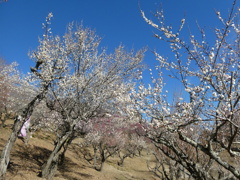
{"type": "Point", "coordinates": [32, 157]}
{"type": "Point", "coordinates": [70, 170]}
{"type": "Point", "coordinates": [27, 158]}
{"type": "Point", "coordinates": [34, 154]}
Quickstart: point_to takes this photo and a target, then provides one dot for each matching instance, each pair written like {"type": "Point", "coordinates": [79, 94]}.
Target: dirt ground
{"type": "Point", "coordinates": [27, 159]}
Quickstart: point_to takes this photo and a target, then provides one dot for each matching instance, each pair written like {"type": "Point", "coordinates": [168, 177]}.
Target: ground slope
{"type": "Point", "coordinates": [27, 159]}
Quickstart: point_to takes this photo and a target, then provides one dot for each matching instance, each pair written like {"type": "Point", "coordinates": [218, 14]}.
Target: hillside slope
{"type": "Point", "coordinates": [27, 159]}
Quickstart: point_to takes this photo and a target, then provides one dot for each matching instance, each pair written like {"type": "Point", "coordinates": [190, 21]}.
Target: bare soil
{"type": "Point", "coordinates": [27, 159]}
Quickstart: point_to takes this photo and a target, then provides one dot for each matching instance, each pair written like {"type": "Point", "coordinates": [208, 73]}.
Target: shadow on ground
{"type": "Point", "coordinates": [31, 158]}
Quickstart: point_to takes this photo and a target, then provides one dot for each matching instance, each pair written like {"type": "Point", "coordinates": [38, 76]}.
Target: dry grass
{"type": "Point", "coordinates": [26, 162]}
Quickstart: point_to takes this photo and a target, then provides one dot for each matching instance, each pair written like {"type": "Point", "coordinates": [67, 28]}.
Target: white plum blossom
{"type": "Point", "coordinates": [206, 115]}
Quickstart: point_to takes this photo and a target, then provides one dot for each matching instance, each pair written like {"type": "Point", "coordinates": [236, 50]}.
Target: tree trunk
{"type": "Point", "coordinates": [3, 118]}
{"type": "Point", "coordinates": [50, 167]}
{"type": "Point", "coordinates": [102, 158]}
{"type": "Point", "coordinates": [95, 157]}
{"type": "Point", "coordinates": [19, 121]}
{"type": "Point", "coordinates": [5, 156]}
{"type": "Point", "coordinates": [122, 158]}
{"type": "Point", "coordinates": [65, 147]}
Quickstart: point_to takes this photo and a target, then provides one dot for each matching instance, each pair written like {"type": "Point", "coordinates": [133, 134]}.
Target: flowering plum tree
{"type": "Point", "coordinates": [16, 90]}
{"type": "Point", "coordinates": [110, 135]}
{"type": "Point", "coordinates": [40, 79]}
{"type": "Point", "coordinates": [91, 82]}
{"type": "Point", "coordinates": [132, 145]}
{"type": "Point", "coordinates": [105, 136]}
{"type": "Point", "coordinates": [4, 92]}
{"type": "Point", "coordinates": [198, 131]}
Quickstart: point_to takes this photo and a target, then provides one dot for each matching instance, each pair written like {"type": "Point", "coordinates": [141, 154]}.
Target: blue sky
{"type": "Point", "coordinates": [117, 21]}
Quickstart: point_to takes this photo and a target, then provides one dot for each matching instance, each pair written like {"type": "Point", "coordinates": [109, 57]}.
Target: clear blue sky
{"type": "Point", "coordinates": [117, 21]}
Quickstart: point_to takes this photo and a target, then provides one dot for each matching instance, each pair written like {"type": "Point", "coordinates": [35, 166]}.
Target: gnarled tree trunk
{"type": "Point", "coordinates": [19, 121]}
{"type": "Point", "coordinates": [50, 167]}
{"type": "Point", "coordinates": [5, 156]}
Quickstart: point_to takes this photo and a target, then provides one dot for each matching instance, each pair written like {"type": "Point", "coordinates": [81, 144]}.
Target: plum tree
{"type": "Point", "coordinates": [198, 131]}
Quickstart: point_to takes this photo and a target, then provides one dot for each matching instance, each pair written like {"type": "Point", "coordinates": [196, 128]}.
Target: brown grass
{"type": "Point", "coordinates": [26, 162]}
